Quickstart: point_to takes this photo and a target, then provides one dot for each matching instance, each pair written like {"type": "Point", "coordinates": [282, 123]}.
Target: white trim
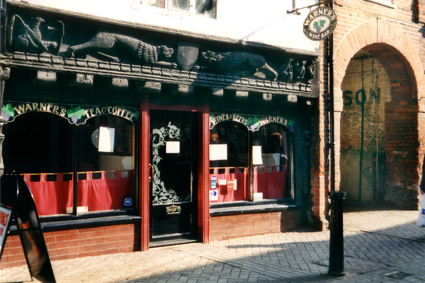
{"type": "Point", "coordinates": [383, 3]}
{"type": "Point", "coordinates": [169, 10]}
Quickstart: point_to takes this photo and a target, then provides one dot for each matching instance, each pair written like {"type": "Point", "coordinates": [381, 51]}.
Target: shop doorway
{"type": "Point", "coordinates": [174, 177]}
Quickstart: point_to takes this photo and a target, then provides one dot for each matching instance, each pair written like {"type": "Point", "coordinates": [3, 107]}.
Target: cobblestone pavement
{"type": "Point", "coordinates": [380, 246]}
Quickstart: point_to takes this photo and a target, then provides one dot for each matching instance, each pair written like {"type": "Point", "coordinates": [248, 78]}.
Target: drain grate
{"type": "Point", "coordinates": [397, 275]}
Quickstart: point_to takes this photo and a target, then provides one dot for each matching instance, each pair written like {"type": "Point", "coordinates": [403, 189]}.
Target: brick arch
{"type": "Point", "coordinates": [377, 32]}
{"type": "Point", "coordinates": [389, 44]}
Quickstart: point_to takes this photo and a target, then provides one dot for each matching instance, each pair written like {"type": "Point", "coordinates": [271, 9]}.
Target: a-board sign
{"type": "Point", "coordinates": [320, 23]}
{"type": "Point", "coordinates": [16, 199]}
{"type": "Point", "coordinates": [5, 217]}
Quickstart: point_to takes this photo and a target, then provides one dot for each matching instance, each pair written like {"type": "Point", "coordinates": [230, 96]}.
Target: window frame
{"type": "Point", "coordinates": [289, 196]}
{"type": "Point", "coordinates": [73, 128]}
{"type": "Point", "coordinates": [169, 10]}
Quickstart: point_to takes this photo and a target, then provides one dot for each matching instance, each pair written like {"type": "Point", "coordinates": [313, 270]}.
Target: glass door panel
{"type": "Point", "coordinates": [174, 175]}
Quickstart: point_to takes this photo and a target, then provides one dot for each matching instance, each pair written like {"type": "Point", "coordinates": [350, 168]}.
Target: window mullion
{"type": "Point", "coordinates": [74, 170]}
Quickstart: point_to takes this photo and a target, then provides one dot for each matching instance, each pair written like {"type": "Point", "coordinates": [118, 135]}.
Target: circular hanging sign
{"type": "Point", "coordinates": [320, 23]}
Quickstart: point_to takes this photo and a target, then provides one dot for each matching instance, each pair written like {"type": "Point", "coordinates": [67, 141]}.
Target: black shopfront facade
{"type": "Point", "coordinates": [153, 133]}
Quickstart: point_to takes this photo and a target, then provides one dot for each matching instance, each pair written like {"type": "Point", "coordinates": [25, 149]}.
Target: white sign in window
{"type": "Point", "coordinates": [106, 139]}
{"type": "Point", "coordinates": [172, 147]}
{"type": "Point", "coordinates": [256, 155]}
{"type": "Point", "coordinates": [218, 152]}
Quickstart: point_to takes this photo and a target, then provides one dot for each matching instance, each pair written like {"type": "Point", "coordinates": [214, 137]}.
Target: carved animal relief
{"type": "Point", "coordinates": [36, 35]}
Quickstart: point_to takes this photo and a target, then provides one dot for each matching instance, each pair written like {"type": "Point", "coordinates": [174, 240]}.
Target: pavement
{"type": "Point", "coordinates": [380, 245]}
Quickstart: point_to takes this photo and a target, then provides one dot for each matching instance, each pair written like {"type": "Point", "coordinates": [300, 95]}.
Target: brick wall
{"type": "Point", "coordinates": [77, 243]}
{"type": "Point", "coordinates": [396, 40]}
{"type": "Point", "coordinates": [241, 225]}
{"type": "Point", "coordinates": [369, 74]}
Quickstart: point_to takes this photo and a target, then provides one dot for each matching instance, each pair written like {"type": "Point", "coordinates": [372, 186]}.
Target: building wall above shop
{"type": "Point", "coordinates": [267, 22]}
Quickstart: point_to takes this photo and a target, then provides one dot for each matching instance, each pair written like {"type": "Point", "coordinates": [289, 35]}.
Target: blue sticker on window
{"type": "Point", "coordinates": [128, 202]}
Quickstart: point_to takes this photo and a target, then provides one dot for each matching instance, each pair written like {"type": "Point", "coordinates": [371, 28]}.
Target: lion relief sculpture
{"type": "Point", "coordinates": [228, 61]}
{"type": "Point", "coordinates": [106, 45]}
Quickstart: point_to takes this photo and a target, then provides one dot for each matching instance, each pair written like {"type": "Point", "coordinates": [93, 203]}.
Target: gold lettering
{"type": "Point", "coordinates": [19, 109]}
{"type": "Point", "coordinates": [55, 109]}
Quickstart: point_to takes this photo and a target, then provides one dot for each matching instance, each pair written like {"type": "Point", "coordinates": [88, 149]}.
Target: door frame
{"type": "Point", "coordinates": [144, 168]}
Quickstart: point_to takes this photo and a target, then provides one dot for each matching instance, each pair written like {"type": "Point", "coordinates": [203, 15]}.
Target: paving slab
{"type": "Point", "coordinates": [379, 246]}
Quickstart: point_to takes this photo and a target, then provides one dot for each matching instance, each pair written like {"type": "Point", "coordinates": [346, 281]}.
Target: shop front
{"type": "Point", "coordinates": [130, 139]}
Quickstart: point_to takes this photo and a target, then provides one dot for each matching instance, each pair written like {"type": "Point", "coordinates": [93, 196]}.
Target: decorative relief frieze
{"type": "Point", "coordinates": [34, 41]}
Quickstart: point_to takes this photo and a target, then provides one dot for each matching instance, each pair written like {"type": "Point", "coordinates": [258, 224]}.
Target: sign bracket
{"type": "Point", "coordinates": [309, 6]}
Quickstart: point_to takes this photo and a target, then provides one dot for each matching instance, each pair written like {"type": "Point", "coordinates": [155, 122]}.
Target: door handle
{"type": "Point", "coordinates": [151, 169]}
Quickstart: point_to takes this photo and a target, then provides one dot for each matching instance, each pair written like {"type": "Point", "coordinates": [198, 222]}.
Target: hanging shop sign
{"type": "Point", "coordinates": [253, 123]}
{"type": "Point", "coordinates": [320, 23]}
{"type": "Point", "coordinates": [74, 114]}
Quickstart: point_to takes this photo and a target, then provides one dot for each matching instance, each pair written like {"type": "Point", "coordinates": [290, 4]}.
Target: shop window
{"type": "Point", "coordinates": [229, 163]}
{"type": "Point", "coordinates": [90, 163]}
{"type": "Point", "coordinates": [270, 159]}
{"type": "Point", "coordinates": [248, 165]}
{"type": "Point", "coordinates": [205, 8]}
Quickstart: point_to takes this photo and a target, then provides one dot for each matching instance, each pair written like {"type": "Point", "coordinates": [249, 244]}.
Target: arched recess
{"type": "Point", "coordinates": [398, 56]}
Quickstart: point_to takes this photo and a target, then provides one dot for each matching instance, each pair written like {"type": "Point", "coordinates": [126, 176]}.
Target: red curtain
{"type": "Point", "coordinates": [224, 194]}
{"type": "Point", "coordinates": [50, 197]}
{"type": "Point", "coordinates": [103, 193]}
{"type": "Point", "coordinates": [54, 197]}
{"type": "Point", "coordinates": [271, 184]}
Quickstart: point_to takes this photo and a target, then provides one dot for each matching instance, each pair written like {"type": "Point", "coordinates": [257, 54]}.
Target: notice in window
{"type": "Point", "coordinates": [218, 152]}
{"type": "Point", "coordinates": [172, 147]}
{"type": "Point", "coordinates": [106, 139]}
{"type": "Point", "coordinates": [213, 195]}
{"type": "Point", "coordinates": [232, 184]}
{"type": "Point", "coordinates": [256, 155]}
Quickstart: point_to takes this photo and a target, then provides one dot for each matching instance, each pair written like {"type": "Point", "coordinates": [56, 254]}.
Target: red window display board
{"type": "Point", "coordinates": [55, 196]}
{"type": "Point", "coordinates": [50, 197]}
{"type": "Point", "coordinates": [224, 193]}
{"type": "Point", "coordinates": [271, 184]}
{"type": "Point", "coordinates": [104, 193]}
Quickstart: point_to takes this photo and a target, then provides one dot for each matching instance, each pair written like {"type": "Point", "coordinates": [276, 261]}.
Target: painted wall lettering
{"type": "Point", "coordinates": [361, 96]}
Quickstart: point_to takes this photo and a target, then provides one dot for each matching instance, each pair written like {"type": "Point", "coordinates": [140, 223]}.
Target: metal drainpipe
{"type": "Point", "coordinates": [336, 241]}
{"type": "Point", "coordinates": [331, 108]}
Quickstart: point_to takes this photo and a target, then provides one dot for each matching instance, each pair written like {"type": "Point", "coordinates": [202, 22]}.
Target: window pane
{"type": "Point", "coordinates": [155, 3]}
{"type": "Point", "coordinates": [270, 169]}
{"type": "Point", "coordinates": [229, 162]}
{"type": "Point", "coordinates": [206, 8]}
{"type": "Point", "coordinates": [39, 146]}
{"type": "Point", "coordinates": [105, 164]}
{"type": "Point", "coordinates": [234, 137]}
{"type": "Point", "coordinates": [180, 4]}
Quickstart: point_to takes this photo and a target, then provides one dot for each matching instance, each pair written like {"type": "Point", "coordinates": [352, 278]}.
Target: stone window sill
{"type": "Point", "coordinates": [246, 207]}
{"type": "Point", "coordinates": [383, 3]}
